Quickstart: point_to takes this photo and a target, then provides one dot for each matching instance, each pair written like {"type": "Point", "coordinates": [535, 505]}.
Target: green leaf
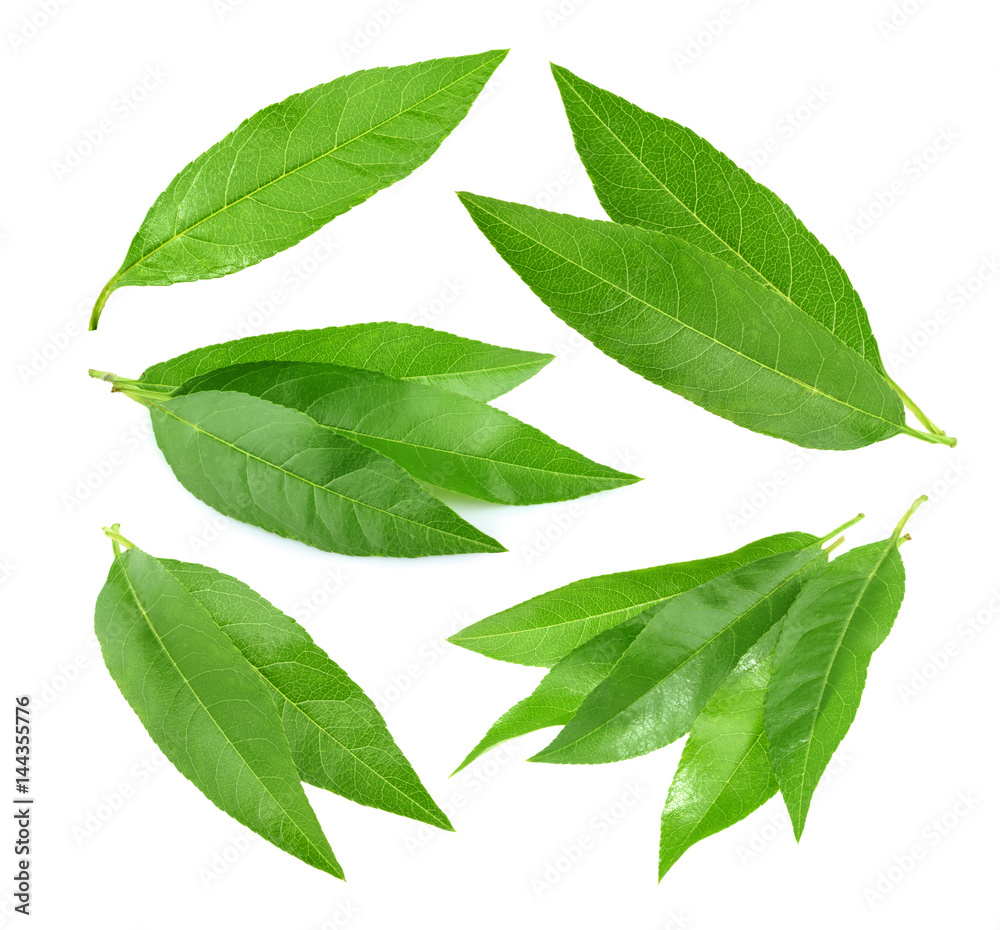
{"type": "Point", "coordinates": [562, 690]}
{"type": "Point", "coordinates": [840, 617]}
{"type": "Point", "coordinates": [689, 322]}
{"type": "Point", "coordinates": [338, 739]}
{"type": "Point", "coordinates": [204, 705]}
{"type": "Point", "coordinates": [653, 172]}
{"type": "Point", "coordinates": [675, 665]}
{"type": "Point", "coordinates": [546, 628]}
{"type": "Point", "coordinates": [278, 469]}
{"type": "Point", "coordinates": [295, 165]}
{"type": "Point", "coordinates": [724, 774]}
{"type": "Point", "coordinates": [401, 350]}
{"type": "Point", "coordinates": [455, 442]}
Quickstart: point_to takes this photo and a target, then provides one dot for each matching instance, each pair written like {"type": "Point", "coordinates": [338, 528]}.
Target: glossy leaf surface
{"type": "Point", "coordinates": [278, 469]}
{"type": "Point", "coordinates": [724, 774]}
{"type": "Point", "coordinates": [546, 628]}
{"type": "Point", "coordinates": [295, 165]}
{"type": "Point", "coordinates": [204, 705]}
{"type": "Point", "coordinates": [401, 350]}
{"type": "Point", "coordinates": [688, 648]}
{"type": "Point", "coordinates": [446, 439]}
{"type": "Point", "coordinates": [689, 322]}
{"type": "Point", "coordinates": [337, 737]}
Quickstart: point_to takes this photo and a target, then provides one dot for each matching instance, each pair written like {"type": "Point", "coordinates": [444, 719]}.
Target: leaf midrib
{"type": "Point", "coordinates": [190, 687]}
{"type": "Point", "coordinates": [142, 258]}
{"type": "Point", "coordinates": [605, 723]}
{"type": "Point", "coordinates": [306, 481]}
{"type": "Point", "coordinates": [728, 348]}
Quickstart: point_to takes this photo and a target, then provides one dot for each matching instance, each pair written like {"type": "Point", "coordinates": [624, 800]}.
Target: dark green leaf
{"type": "Point", "coordinates": [724, 774]}
{"type": "Point", "coordinates": [295, 165]}
{"type": "Point", "coordinates": [204, 705]}
{"type": "Point", "coordinates": [676, 664]}
{"type": "Point", "coordinates": [455, 442]}
{"type": "Point", "coordinates": [544, 629]}
{"type": "Point", "coordinates": [278, 469]}
{"type": "Point", "coordinates": [840, 617]}
{"type": "Point", "coordinates": [689, 322]}
{"type": "Point", "coordinates": [562, 690]}
{"type": "Point", "coordinates": [338, 739]}
{"type": "Point", "coordinates": [411, 353]}
{"type": "Point", "coordinates": [653, 172]}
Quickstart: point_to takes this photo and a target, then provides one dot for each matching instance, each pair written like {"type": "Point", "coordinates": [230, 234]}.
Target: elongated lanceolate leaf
{"type": "Point", "coordinates": [546, 628]}
{"type": "Point", "coordinates": [337, 737]}
{"type": "Point", "coordinates": [294, 166]}
{"type": "Point", "coordinates": [840, 617]}
{"type": "Point", "coordinates": [455, 442]}
{"type": "Point", "coordinates": [204, 705]}
{"type": "Point", "coordinates": [278, 469]}
{"type": "Point", "coordinates": [688, 648]}
{"type": "Point", "coordinates": [401, 350]}
{"type": "Point", "coordinates": [653, 172]}
{"type": "Point", "coordinates": [689, 322]}
{"type": "Point", "coordinates": [724, 774]}
{"type": "Point", "coordinates": [563, 689]}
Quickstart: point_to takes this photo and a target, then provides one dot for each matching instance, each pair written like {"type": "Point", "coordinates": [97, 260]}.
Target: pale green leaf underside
{"type": "Point", "coordinates": [276, 468]}
{"type": "Point", "coordinates": [560, 693]}
{"type": "Point", "coordinates": [338, 739]}
{"type": "Point", "coordinates": [295, 165]}
{"type": "Point", "coordinates": [400, 350]}
{"type": "Point", "coordinates": [689, 322]}
{"type": "Point", "coordinates": [724, 774]}
{"type": "Point", "coordinates": [446, 439]}
{"type": "Point", "coordinates": [666, 677]}
{"type": "Point", "coordinates": [204, 705]}
{"type": "Point", "coordinates": [546, 628]}
{"type": "Point", "coordinates": [650, 171]}
{"type": "Point", "coordinates": [840, 617]}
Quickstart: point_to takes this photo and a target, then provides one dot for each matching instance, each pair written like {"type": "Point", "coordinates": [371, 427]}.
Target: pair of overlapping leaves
{"type": "Point", "coordinates": [325, 435]}
{"type": "Point", "coordinates": [705, 282]}
{"type": "Point", "coordinates": [242, 701]}
{"type": "Point", "coordinates": [761, 654]}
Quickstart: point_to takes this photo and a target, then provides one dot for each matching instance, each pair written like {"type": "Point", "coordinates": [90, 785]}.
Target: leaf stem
{"type": "Point", "coordinates": [897, 533]}
{"type": "Point", "coordinates": [102, 299]}
{"type": "Point", "coordinates": [915, 410]}
{"type": "Point", "coordinates": [116, 538]}
{"type": "Point", "coordinates": [834, 545]}
{"type": "Point", "coordinates": [930, 437]}
{"type": "Point", "coordinates": [137, 390]}
{"type": "Point", "coordinates": [842, 527]}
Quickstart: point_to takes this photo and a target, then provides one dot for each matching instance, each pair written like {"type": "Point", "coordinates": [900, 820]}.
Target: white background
{"type": "Point", "coordinates": [919, 768]}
